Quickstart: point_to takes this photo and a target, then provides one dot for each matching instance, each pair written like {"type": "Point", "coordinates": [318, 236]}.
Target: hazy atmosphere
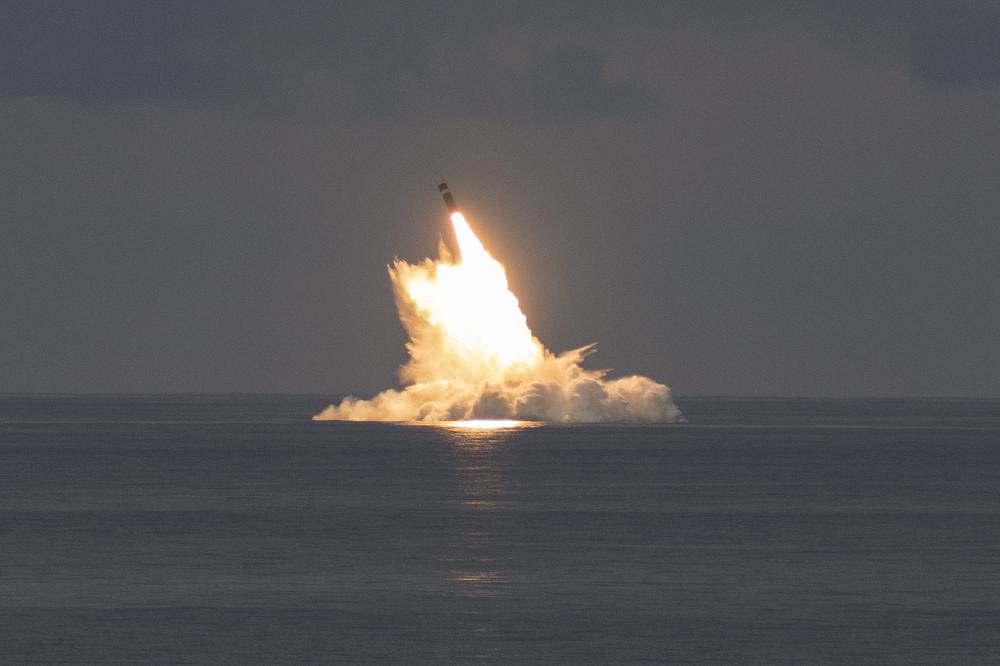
{"type": "Point", "coordinates": [730, 198]}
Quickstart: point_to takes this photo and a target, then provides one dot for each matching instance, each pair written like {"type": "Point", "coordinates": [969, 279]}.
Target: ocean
{"type": "Point", "coordinates": [234, 530]}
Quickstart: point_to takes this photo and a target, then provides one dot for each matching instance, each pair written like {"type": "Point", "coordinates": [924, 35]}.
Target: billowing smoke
{"type": "Point", "coordinates": [472, 355]}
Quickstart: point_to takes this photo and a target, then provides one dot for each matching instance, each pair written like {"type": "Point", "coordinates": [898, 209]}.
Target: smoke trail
{"type": "Point", "coordinates": [472, 355]}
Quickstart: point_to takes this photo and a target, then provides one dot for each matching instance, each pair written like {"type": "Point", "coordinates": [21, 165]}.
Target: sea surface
{"type": "Point", "coordinates": [234, 530]}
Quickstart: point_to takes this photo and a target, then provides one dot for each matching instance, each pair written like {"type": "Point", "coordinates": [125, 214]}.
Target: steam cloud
{"type": "Point", "coordinates": [472, 356]}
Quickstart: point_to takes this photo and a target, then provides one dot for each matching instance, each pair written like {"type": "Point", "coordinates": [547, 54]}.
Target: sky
{"type": "Point", "coordinates": [733, 198]}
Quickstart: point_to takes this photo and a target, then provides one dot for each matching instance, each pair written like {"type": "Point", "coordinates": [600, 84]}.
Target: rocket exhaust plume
{"type": "Point", "coordinates": [472, 355]}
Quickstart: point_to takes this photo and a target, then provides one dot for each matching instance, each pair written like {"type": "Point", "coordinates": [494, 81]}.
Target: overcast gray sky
{"type": "Point", "coordinates": [755, 198]}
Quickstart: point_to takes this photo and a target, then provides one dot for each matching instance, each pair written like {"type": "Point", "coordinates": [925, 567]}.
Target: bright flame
{"type": "Point", "coordinates": [471, 302]}
{"type": "Point", "coordinates": [473, 358]}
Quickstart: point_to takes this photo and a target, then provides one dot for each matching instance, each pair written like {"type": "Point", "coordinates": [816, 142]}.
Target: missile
{"type": "Point", "coordinates": [448, 235]}
{"type": "Point", "coordinates": [449, 199]}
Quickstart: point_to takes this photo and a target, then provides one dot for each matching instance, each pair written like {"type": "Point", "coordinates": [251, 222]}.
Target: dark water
{"type": "Point", "coordinates": [220, 530]}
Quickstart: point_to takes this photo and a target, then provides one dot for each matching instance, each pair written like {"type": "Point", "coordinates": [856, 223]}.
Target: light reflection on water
{"type": "Point", "coordinates": [477, 564]}
{"type": "Point", "coordinates": [488, 424]}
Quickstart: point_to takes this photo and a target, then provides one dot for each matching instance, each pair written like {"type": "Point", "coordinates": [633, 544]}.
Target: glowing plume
{"type": "Point", "coordinates": [472, 355]}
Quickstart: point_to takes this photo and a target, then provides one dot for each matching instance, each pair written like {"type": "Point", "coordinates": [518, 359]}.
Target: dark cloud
{"type": "Point", "coordinates": [364, 58]}
{"type": "Point", "coordinates": [118, 52]}
{"type": "Point", "coordinates": [956, 45]}
{"type": "Point", "coordinates": [393, 58]}
{"type": "Point", "coordinates": [947, 44]}
{"type": "Point", "coordinates": [390, 58]}
{"type": "Point", "coordinates": [571, 80]}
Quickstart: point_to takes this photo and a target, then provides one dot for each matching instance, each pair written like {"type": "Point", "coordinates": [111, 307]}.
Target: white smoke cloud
{"type": "Point", "coordinates": [472, 356]}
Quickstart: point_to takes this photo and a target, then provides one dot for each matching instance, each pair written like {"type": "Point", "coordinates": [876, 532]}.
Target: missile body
{"type": "Point", "coordinates": [448, 234]}
{"type": "Point", "coordinates": [449, 199]}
